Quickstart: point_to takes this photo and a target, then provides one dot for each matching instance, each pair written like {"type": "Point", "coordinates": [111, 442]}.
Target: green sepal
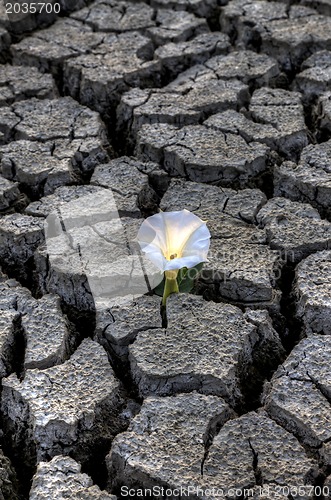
{"type": "Point", "coordinates": [185, 282]}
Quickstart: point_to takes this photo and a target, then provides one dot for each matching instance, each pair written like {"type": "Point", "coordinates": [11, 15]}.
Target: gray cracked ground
{"type": "Point", "coordinates": [315, 75]}
{"type": "Point", "coordinates": [25, 318]}
{"type": "Point", "coordinates": [181, 359]}
{"type": "Point", "coordinates": [44, 150]}
{"type": "Point", "coordinates": [313, 294]}
{"type": "Point", "coordinates": [94, 408]}
{"type": "Point", "coordinates": [201, 154]}
{"type": "Point", "coordinates": [290, 35]}
{"type": "Point", "coordinates": [148, 107]}
{"type": "Point", "coordinates": [309, 180]}
{"type": "Point", "coordinates": [110, 112]}
{"type": "Point", "coordinates": [303, 378]}
{"type": "Point", "coordinates": [18, 85]}
{"type": "Point", "coordinates": [62, 477]}
{"type": "Point", "coordinates": [239, 440]}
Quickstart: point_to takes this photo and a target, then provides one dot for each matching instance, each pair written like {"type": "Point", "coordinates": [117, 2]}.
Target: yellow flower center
{"type": "Point", "coordinates": [176, 238]}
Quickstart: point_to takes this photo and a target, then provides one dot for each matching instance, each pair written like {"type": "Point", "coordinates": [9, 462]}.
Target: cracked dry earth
{"type": "Point", "coordinates": [224, 110]}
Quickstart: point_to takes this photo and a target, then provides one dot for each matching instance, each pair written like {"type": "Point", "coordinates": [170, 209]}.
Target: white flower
{"type": "Point", "coordinates": [173, 240]}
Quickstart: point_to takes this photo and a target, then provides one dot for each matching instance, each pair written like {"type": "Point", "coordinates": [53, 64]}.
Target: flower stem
{"type": "Point", "coordinates": [170, 286]}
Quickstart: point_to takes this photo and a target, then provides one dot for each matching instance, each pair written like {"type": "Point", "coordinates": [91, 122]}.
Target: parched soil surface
{"type": "Point", "coordinates": [110, 111]}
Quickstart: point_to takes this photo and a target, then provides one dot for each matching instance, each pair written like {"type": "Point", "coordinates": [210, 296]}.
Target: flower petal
{"type": "Point", "coordinates": [198, 243]}
{"type": "Point", "coordinates": [180, 226]}
{"type": "Point", "coordinates": [152, 231]}
{"type": "Point", "coordinates": [156, 257]}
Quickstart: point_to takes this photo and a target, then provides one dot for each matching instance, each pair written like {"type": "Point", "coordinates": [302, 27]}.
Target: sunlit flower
{"type": "Point", "coordinates": [173, 240]}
